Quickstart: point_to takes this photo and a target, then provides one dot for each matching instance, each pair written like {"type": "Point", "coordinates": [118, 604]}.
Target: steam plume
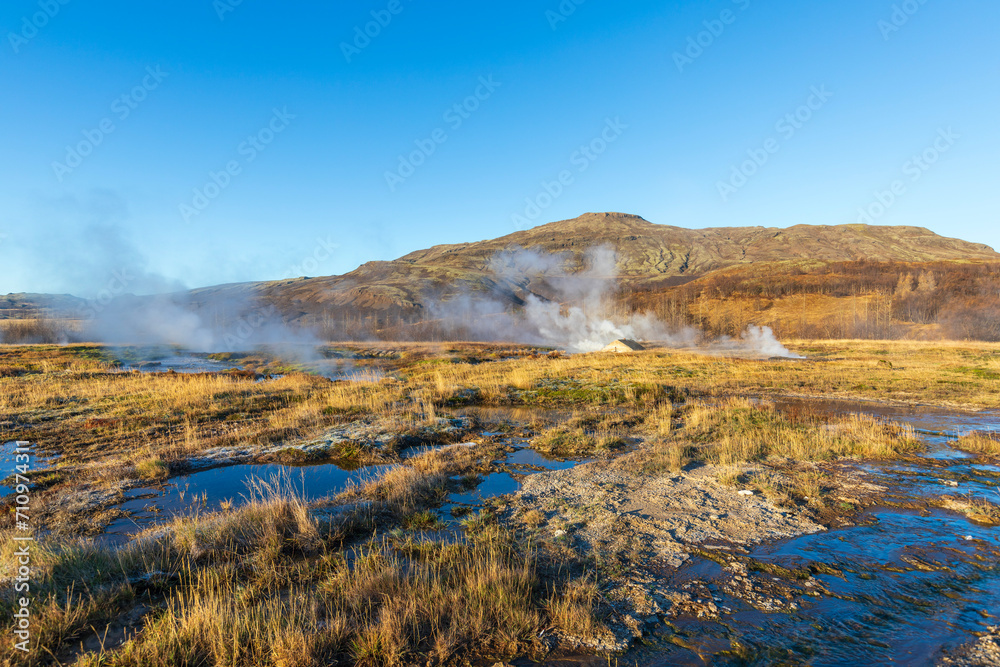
{"type": "Point", "coordinates": [578, 312]}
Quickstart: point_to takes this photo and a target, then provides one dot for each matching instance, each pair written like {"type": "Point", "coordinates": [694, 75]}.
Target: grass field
{"type": "Point", "coordinates": [272, 583]}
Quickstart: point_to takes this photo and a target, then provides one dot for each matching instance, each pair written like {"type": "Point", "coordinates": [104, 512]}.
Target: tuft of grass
{"type": "Point", "coordinates": [567, 440]}
{"type": "Point", "coordinates": [572, 609]}
{"type": "Point", "coordinates": [980, 443]}
{"type": "Point", "coordinates": [976, 509]}
{"type": "Point", "coordinates": [421, 520]}
{"type": "Point", "coordinates": [375, 605]}
{"type": "Point", "coordinates": [274, 523]}
{"type": "Point", "coordinates": [660, 420]}
{"type": "Point", "coordinates": [152, 469]}
{"type": "Point", "coordinates": [667, 456]}
{"type": "Point", "coordinates": [533, 518]}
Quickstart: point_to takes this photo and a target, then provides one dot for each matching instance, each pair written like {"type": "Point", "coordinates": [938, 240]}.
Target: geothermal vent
{"type": "Point", "coordinates": [623, 345]}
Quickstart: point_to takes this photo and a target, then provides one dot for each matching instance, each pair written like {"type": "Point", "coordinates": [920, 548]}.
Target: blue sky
{"type": "Point", "coordinates": [676, 111]}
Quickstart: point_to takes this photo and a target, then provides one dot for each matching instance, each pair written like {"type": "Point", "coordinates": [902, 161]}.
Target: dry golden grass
{"type": "Point", "coordinates": [943, 373]}
{"type": "Point", "coordinates": [667, 456]}
{"type": "Point", "coordinates": [152, 469]}
{"type": "Point", "coordinates": [266, 584]}
{"type": "Point", "coordinates": [980, 443]}
{"type": "Point", "coordinates": [104, 423]}
{"type": "Point", "coordinates": [737, 431]}
{"type": "Point", "coordinates": [569, 440]}
{"type": "Point", "coordinates": [572, 608]}
{"type": "Point", "coordinates": [533, 518]}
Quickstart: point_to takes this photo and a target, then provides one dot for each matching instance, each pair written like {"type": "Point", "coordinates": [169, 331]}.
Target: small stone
{"type": "Point", "coordinates": [559, 533]}
{"type": "Point", "coordinates": [714, 517]}
{"type": "Point", "coordinates": [746, 492]}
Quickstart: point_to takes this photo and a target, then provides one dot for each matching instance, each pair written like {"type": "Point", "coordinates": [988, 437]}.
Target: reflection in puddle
{"type": "Point", "coordinates": [178, 364]}
{"type": "Point", "coordinates": [908, 586]}
{"type": "Point", "coordinates": [9, 463]}
{"type": "Point", "coordinates": [219, 488]}
{"type": "Point", "coordinates": [528, 458]}
{"type": "Point", "coordinates": [523, 461]}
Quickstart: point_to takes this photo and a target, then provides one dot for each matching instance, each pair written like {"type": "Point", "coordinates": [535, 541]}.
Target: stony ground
{"type": "Point", "coordinates": [640, 527]}
{"type": "Point", "coordinates": [980, 653]}
{"type": "Point", "coordinates": [609, 507]}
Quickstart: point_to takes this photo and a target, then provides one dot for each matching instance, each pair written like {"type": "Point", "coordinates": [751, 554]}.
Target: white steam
{"type": "Point", "coordinates": [577, 310]}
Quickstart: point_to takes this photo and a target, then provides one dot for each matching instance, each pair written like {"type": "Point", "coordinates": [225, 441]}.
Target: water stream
{"type": "Point", "coordinates": [904, 586]}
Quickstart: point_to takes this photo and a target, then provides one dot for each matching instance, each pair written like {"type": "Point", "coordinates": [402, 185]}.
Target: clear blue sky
{"type": "Point", "coordinates": [681, 125]}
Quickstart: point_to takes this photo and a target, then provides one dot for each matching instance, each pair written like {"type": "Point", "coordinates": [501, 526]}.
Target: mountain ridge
{"type": "Point", "coordinates": [650, 257]}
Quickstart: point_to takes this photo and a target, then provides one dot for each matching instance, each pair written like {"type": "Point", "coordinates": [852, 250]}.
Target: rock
{"type": "Point", "coordinates": [746, 492]}
{"type": "Point", "coordinates": [984, 651]}
{"type": "Point", "coordinates": [623, 345]}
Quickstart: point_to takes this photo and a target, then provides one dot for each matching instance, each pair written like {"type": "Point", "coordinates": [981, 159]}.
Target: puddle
{"type": "Point", "coordinates": [161, 361]}
{"type": "Point", "coordinates": [528, 459]}
{"type": "Point", "coordinates": [212, 490]}
{"type": "Point", "coordinates": [493, 485]}
{"type": "Point", "coordinates": [218, 488]}
{"type": "Point", "coordinates": [912, 585]}
{"type": "Point", "coordinates": [182, 363]}
{"type": "Point", "coordinates": [9, 463]}
{"type": "Point", "coordinates": [339, 371]}
{"type": "Point", "coordinates": [518, 464]}
{"type": "Point", "coordinates": [977, 481]}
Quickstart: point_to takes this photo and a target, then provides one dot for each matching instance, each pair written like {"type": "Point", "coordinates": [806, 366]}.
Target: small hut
{"type": "Point", "coordinates": [623, 345]}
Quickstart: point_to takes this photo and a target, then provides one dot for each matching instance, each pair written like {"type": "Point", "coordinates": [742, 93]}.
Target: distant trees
{"type": "Point", "coordinates": [877, 300]}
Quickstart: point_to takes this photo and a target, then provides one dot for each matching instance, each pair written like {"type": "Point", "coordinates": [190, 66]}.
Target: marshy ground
{"type": "Point", "coordinates": [474, 503]}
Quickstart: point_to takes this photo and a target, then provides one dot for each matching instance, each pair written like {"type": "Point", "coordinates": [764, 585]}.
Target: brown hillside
{"type": "Point", "coordinates": [805, 280]}
{"type": "Point", "coordinates": [649, 256]}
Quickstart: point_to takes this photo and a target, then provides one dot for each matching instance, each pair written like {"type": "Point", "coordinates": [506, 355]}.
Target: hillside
{"type": "Point", "coordinates": [647, 250]}
{"type": "Point", "coordinates": [648, 255]}
{"type": "Point", "coordinates": [720, 279]}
